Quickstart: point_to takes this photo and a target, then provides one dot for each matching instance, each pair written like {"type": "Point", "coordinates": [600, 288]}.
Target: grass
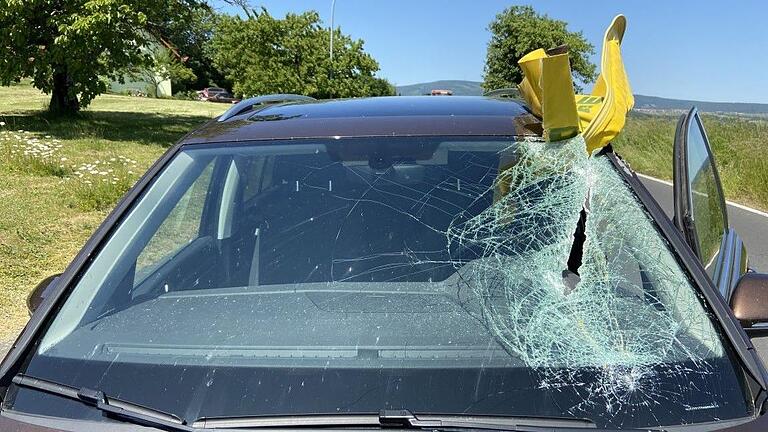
{"type": "Point", "coordinates": [740, 145]}
{"type": "Point", "coordinates": [60, 177]}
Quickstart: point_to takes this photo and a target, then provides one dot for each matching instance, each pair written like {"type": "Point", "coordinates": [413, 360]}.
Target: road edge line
{"type": "Point", "coordinates": [730, 203]}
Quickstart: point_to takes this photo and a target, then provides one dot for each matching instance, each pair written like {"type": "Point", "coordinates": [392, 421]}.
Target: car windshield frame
{"type": "Point", "coordinates": [235, 145]}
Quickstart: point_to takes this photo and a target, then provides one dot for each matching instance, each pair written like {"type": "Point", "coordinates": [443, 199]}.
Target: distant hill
{"type": "Point", "coordinates": [657, 103]}
{"type": "Point", "coordinates": [472, 88]}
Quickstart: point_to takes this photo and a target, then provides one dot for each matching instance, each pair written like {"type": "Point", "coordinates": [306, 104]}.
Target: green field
{"type": "Point", "coordinates": [60, 177]}
{"type": "Point", "coordinates": [740, 145]}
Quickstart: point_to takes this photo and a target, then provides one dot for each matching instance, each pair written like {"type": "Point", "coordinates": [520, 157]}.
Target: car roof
{"type": "Point", "coordinates": [376, 116]}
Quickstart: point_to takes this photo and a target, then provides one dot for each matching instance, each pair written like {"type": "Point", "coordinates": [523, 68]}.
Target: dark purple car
{"type": "Point", "coordinates": [400, 263]}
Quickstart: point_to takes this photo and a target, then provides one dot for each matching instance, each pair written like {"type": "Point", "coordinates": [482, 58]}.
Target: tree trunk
{"type": "Point", "coordinates": [62, 102]}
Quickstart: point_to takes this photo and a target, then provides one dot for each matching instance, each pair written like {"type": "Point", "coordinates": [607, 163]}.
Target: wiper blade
{"type": "Point", "coordinates": [112, 407]}
{"type": "Point", "coordinates": [399, 419]}
{"type": "Point", "coordinates": [407, 420]}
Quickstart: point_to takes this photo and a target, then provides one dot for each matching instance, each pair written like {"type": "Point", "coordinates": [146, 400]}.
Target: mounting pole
{"type": "Point", "coordinates": [333, 12]}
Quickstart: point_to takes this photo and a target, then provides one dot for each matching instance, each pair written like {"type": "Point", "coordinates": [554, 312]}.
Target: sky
{"type": "Point", "coordinates": [698, 50]}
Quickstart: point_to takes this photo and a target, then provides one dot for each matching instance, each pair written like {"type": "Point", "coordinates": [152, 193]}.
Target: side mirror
{"type": "Point", "coordinates": [750, 299]}
{"type": "Point", "coordinates": [40, 292]}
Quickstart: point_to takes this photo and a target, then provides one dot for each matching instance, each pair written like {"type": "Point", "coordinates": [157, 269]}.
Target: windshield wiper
{"type": "Point", "coordinates": [112, 407]}
{"type": "Point", "coordinates": [406, 420]}
{"type": "Point", "coordinates": [398, 419]}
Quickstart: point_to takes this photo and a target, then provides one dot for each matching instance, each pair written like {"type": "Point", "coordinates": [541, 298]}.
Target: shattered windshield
{"type": "Point", "coordinates": [482, 276]}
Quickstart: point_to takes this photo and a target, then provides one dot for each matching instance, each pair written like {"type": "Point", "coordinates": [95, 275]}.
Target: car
{"type": "Point", "coordinates": [224, 98]}
{"type": "Point", "coordinates": [398, 262]}
{"type": "Point", "coordinates": [209, 93]}
{"type": "Point", "coordinates": [441, 92]}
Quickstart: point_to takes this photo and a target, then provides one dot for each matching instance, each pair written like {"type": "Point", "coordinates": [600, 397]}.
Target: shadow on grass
{"type": "Point", "coordinates": [144, 128]}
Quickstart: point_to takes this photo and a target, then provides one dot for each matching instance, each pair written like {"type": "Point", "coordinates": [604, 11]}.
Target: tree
{"type": "Point", "coordinates": [380, 87]}
{"type": "Point", "coordinates": [244, 5]}
{"type": "Point", "coordinates": [261, 54]}
{"type": "Point", "coordinates": [69, 47]}
{"type": "Point", "coordinates": [187, 36]}
{"type": "Point", "coordinates": [519, 30]}
{"type": "Point", "coordinates": [173, 69]}
{"type": "Point", "coordinates": [166, 67]}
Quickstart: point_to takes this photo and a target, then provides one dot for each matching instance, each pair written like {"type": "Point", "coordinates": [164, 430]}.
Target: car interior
{"type": "Point", "coordinates": [302, 219]}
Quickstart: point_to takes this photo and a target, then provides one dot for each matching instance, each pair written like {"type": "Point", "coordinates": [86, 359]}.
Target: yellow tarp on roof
{"type": "Point", "coordinates": [600, 116]}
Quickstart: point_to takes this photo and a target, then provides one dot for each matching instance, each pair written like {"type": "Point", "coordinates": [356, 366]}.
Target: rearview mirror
{"type": "Point", "coordinates": [40, 292]}
{"type": "Point", "coordinates": [750, 299]}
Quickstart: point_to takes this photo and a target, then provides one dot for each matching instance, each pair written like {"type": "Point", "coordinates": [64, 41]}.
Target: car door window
{"type": "Point", "coordinates": [180, 228]}
{"type": "Point", "coordinates": [705, 195]}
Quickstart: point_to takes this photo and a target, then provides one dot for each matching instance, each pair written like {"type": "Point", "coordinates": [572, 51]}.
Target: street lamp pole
{"type": "Point", "coordinates": [330, 49]}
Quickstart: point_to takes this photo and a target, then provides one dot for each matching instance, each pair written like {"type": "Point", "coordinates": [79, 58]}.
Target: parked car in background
{"type": "Point", "coordinates": [402, 262]}
{"type": "Point", "coordinates": [224, 98]}
{"type": "Point", "coordinates": [216, 94]}
{"type": "Point", "coordinates": [441, 92]}
{"type": "Point", "coordinates": [208, 92]}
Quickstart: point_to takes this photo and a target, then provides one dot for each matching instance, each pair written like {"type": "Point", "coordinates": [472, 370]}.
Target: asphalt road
{"type": "Point", "coordinates": [751, 225]}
